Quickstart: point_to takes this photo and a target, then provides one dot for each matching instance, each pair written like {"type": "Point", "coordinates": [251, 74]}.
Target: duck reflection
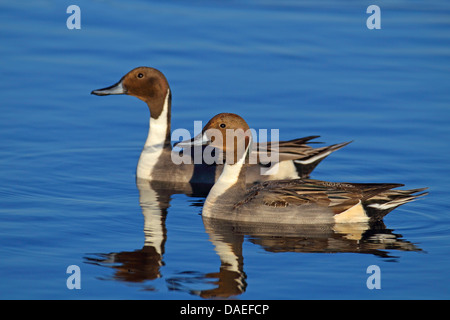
{"type": "Point", "coordinates": [145, 263]}
{"type": "Point", "coordinates": [228, 237]}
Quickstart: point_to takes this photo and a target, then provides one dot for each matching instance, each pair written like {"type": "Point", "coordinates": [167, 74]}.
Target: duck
{"type": "Point", "coordinates": [296, 158]}
{"type": "Point", "coordinates": [289, 201]}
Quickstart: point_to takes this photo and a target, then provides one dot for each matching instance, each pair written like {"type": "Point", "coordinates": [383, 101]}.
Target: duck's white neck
{"type": "Point", "coordinates": [232, 176]}
{"type": "Point", "coordinates": [155, 143]}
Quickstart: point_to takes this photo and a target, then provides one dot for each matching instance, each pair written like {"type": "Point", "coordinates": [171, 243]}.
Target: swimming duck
{"type": "Point", "coordinates": [296, 158]}
{"type": "Point", "coordinates": [295, 201]}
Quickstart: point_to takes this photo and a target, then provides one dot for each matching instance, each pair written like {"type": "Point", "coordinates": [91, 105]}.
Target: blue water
{"type": "Point", "coordinates": [67, 159]}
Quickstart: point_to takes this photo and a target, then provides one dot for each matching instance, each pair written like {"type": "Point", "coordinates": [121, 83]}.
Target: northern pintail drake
{"type": "Point", "coordinates": [296, 158]}
{"type": "Point", "coordinates": [295, 201]}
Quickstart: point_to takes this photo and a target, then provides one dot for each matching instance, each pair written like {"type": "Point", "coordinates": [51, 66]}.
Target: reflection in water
{"type": "Point", "coordinates": [227, 237]}
{"type": "Point", "coordinates": [230, 279]}
{"type": "Point", "coordinates": [145, 263]}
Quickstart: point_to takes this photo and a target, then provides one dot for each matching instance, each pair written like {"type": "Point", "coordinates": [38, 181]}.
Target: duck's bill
{"type": "Point", "coordinates": [199, 140]}
{"type": "Point", "coordinates": [117, 88]}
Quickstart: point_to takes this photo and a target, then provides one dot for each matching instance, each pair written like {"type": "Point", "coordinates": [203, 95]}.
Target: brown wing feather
{"type": "Point", "coordinates": [338, 196]}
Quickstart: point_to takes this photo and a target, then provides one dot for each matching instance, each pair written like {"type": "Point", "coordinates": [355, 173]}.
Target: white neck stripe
{"type": "Point", "coordinates": [228, 177]}
{"type": "Point", "coordinates": [154, 144]}
{"type": "Point", "coordinates": [157, 132]}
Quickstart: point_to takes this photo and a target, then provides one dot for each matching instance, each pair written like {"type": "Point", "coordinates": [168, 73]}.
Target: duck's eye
{"type": "Point", "coordinates": [140, 75]}
{"type": "Point", "coordinates": [223, 125]}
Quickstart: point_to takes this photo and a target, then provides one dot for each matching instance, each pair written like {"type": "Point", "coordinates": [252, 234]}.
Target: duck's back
{"type": "Point", "coordinates": [302, 201]}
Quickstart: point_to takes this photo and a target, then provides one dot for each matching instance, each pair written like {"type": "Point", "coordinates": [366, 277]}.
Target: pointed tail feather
{"type": "Point", "coordinates": [379, 206]}
{"type": "Point", "coordinates": [308, 163]}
